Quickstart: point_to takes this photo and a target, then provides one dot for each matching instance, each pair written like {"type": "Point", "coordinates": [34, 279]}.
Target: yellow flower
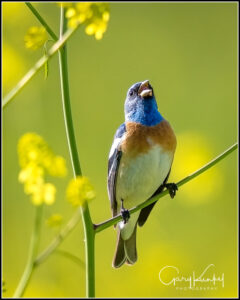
{"type": "Point", "coordinates": [33, 149]}
{"type": "Point", "coordinates": [36, 158]}
{"type": "Point", "coordinates": [57, 167]}
{"type": "Point", "coordinates": [31, 172]}
{"type": "Point", "coordinates": [36, 190]}
{"type": "Point", "coordinates": [35, 37]}
{"type": "Point", "coordinates": [54, 220]}
{"type": "Point", "coordinates": [41, 192]}
{"type": "Point", "coordinates": [93, 15]}
{"type": "Point", "coordinates": [80, 190]}
{"type": "Point", "coordinates": [49, 192]}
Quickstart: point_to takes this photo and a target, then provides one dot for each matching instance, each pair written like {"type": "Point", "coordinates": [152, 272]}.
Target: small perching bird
{"type": "Point", "coordinates": [139, 164]}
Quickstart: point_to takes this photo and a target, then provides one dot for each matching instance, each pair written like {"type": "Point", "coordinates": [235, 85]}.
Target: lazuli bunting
{"type": "Point", "coordinates": [139, 164]}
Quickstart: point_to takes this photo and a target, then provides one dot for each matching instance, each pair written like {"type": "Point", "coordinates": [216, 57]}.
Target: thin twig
{"type": "Point", "coordinates": [115, 220]}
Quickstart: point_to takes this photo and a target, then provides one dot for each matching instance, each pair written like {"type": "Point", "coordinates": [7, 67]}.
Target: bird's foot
{"type": "Point", "coordinates": [125, 213]}
{"type": "Point", "coordinates": [172, 188]}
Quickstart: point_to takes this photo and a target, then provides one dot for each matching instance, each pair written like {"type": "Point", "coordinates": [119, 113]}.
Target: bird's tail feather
{"type": "Point", "coordinates": [126, 250]}
{"type": "Point", "coordinates": [130, 248]}
{"type": "Point", "coordinates": [119, 257]}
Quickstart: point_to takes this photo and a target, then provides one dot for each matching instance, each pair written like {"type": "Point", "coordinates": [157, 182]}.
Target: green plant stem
{"type": "Point", "coordinates": [115, 220]}
{"type": "Point", "coordinates": [32, 254]}
{"type": "Point", "coordinates": [67, 112]}
{"type": "Point", "coordinates": [89, 251]}
{"type": "Point", "coordinates": [42, 21]}
{"type": "Point", "coordinates": [40, 63]}
{"type": "Point", "coordinates": [88, 225]}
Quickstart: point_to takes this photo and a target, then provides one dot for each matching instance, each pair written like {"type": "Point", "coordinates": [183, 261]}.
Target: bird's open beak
{"type": "Point", "coordinates": [145, 90]}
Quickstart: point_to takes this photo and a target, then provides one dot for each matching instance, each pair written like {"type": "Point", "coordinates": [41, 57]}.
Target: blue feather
{"type": "Point", "coordinates": [142, 110]}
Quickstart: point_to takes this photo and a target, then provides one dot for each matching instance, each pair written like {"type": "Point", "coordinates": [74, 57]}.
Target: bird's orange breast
{"type": "Point", "coordinates": [140, 138]}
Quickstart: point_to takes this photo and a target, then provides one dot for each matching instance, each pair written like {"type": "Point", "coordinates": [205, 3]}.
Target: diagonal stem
{"type": "Point", "coordinates": [42, 21]}
{"type": "Point", "coordinates": [115, 220]}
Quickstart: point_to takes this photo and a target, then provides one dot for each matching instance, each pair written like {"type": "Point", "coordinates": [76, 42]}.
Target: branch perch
{"type": "Point", "coordinates": [115, 220]}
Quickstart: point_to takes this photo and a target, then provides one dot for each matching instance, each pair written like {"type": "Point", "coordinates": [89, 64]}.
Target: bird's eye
{"type": "Point", "coordinates": [131, 93]}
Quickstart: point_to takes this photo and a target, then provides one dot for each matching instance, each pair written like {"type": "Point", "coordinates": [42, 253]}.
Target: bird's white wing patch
{"type": "Point", "coordinates": [114, 146]}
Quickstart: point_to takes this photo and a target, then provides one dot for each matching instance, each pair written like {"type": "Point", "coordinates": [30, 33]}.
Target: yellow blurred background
{"type": "Point", "coordinates": [188, 51]}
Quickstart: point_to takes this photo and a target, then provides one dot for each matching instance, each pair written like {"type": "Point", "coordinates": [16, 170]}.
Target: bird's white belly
{"type": "Point", "coordinates": [139, 177]}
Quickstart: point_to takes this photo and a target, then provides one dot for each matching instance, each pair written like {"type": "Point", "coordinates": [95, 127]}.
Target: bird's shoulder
{"type": "Point", "coordinates": [140, 138]}
{"type": "Point", "coordinates": [115, 151]}
{"type": "Point", "coordinates": [117, 140]}
{"type": "Point", "coordinates": [120, 131]}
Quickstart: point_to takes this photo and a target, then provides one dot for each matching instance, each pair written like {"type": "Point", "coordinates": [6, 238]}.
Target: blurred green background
{"type": "Point", "coordinates": [188, 51]}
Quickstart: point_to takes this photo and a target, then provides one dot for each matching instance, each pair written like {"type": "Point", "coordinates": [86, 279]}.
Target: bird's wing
{"type": "Point", "coordinates": [145, 212]}
{"type": "Point", "coordinates": [113, 164]}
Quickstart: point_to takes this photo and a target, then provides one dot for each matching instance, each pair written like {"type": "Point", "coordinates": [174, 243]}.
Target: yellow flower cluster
{"type": "Point", "coordinates": [94, 15]}
{"type": "Point", "coordinates": [35, 37]}
{"type": "Point", "coordinates": [35, 159]}
{"type": "Point", "coordinates": [80, 190]}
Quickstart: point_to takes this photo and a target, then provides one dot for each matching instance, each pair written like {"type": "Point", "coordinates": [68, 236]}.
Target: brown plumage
{"type": "Point", "coordinates": [136, 141]}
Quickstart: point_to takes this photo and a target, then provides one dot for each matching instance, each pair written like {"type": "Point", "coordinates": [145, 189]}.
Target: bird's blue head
{"type": "Point", "coordinates": [141, 106]}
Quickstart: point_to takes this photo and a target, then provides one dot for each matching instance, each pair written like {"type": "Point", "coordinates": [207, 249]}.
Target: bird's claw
{"type": "Point", "coordinates": [172, 188]}
{"type": "Point", "coordinates": [125, 213]}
